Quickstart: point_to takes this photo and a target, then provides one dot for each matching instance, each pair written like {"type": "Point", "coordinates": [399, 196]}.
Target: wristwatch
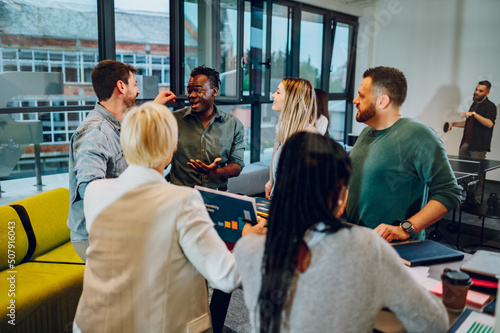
{"type": "Point", "coordinates": [408, 227]}
{"type": "Point", "coordinates": [473, 113]}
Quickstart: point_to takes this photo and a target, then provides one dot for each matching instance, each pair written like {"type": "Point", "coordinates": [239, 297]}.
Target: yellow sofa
{"type": "Point", "coordinates": [41, 276]}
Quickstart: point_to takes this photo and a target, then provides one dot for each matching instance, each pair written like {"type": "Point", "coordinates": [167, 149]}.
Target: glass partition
{"type": "Point", "coordinates": [20, 131]}
{"type": "Point", "coordinates": [46, 57]}
{"type": "Point", "coordinates": [53, 57]}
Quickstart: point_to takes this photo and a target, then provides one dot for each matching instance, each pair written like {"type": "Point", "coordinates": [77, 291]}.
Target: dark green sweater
{"type": "Point", "coordinates": [390, 170]}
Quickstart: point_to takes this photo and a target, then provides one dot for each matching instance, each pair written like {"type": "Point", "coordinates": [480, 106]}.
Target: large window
{"type": "Point", "coordinates": [340, 59]}
{"type": "Point", "coordinates": [46, 57]}
{"type": "Point", "coordinates": [199, 31]}
{"type": "Point", "coordinates": [254, 62]}
{"type": "Point", "coordinates": [228, 48]}
{"type": "Point", "coordinates": [53, 57]}
{"type": "Point", "coordinates": [311, 47]}
{"type": "Point", "coordinates": [142, 33]}
{"type": "Point", "coordinates": [281, 44]}
{"type": "Point", "coordinates": [45, 68]}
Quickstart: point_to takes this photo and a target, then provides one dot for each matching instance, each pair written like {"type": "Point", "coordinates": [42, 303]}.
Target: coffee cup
{"type": "Point", "coordinates": [455, 287]}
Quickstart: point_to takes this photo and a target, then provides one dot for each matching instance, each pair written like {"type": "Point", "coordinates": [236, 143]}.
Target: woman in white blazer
{"type": "Point", "coordinates": [152, 244]}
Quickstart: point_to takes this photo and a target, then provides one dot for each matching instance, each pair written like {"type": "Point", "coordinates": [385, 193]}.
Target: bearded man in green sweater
{"type": "Point", "coordinates": [402, 181]}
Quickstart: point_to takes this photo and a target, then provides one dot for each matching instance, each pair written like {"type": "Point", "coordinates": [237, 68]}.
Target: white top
{"type": "Point", "coordinates": [152, 244]}
{"type": "Point", "coordinates": [321, 124]}
{"type": "Point", "coordinates": [353, 274]}
{"type": "Point", "coordinates": [278, 146]}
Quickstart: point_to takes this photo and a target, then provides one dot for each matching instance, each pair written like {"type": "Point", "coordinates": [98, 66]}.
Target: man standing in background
{"type": "Point", "coordinates": [478, 128]}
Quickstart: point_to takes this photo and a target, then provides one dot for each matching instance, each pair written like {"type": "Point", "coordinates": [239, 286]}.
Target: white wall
{"type": "Point", "coordinates": [444, 48]}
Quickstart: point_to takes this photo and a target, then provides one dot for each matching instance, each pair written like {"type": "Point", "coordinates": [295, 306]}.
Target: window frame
{"type": "Point", "coordinates": [107, 50]}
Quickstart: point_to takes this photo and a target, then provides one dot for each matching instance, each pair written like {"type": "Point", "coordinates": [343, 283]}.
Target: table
{"type": "Point", "coordinates": [387, 322]}
{"type": "Point", "coordinates": [468, 181]}
{"type": "Point", "coordinates": [483, 211]}
{"type": "Point", "coordinates": [468, 171]}
{"type": "Point", "coordinates": [473, 166]}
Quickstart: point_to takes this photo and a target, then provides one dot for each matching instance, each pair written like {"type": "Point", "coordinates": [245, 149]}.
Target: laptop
{"type": "Point", "coordinates": [484, 263]}
{"type": "Point", "coordinates": [229, 212]}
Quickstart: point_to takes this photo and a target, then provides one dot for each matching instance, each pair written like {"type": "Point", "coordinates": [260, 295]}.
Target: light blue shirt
{"type": "Point", "coordinates": [95, 153]}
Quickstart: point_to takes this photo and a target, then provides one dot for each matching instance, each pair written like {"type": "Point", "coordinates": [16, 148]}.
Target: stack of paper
{"type": "Point", "coordinates": [420, 274]}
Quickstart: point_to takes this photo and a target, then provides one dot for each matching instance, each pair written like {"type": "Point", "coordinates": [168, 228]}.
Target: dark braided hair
{"type": "Point", "coordinates": [311, 171]}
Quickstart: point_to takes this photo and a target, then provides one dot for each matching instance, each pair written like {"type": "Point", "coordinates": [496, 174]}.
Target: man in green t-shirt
{"type": "Point", "coordinates": [401, 181]}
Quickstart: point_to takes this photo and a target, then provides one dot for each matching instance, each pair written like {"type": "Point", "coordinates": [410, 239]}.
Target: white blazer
{"type": "Point", "coordinates": [152, 244]}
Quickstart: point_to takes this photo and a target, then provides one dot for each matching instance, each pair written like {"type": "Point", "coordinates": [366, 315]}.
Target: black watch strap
{"type": "Point", "coordinates": [408, 227]}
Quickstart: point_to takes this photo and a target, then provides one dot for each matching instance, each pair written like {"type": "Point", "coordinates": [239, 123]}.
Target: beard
{"type": "Point", "coordinates": [130, 100]}
{"type": "Point", "coordinates": [364, 116]}
{"type": "Point", "coordinates": [477, 98]}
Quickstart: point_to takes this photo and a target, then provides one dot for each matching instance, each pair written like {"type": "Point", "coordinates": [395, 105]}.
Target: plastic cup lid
{"type": "Point", "coordinates": [456, 277]}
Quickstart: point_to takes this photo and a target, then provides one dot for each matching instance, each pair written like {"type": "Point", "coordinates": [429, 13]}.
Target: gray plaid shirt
{"type": "Point", "coordinates": [95, 153]}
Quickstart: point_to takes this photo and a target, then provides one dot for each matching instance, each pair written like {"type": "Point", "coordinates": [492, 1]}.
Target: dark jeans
{"type": "Point", "coordinates": [218, 308]}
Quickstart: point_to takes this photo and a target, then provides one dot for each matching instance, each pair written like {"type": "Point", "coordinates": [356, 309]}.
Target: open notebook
{"type": "Point", "coordinates": [229, 212]}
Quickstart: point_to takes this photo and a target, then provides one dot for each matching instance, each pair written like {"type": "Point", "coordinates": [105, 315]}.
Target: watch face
{"type": "Point", "coordinates": [406, 225]}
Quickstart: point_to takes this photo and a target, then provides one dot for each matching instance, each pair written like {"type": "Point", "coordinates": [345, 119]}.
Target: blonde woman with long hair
{"type": "Point", "coordinates": [295, 99]}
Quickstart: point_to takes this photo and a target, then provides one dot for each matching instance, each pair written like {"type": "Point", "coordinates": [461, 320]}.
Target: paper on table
{"type": "Point", "coordinates": [477, 320]}
{"type": "Point", "coordinates": [473, 297]}
{"type": "Point", "coordinates": [420, 274]}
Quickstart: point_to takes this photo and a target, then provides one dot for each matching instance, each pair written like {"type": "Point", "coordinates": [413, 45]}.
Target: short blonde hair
{"type": "Point", "coordinates": [149, 135]}
{"type": "Point", "coordinates": [299, 109]}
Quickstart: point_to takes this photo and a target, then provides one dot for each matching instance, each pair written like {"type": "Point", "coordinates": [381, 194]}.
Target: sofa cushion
{"type": "Point", "coordinates": [62, 254]}
{"type": "Point", "coordinates": [11, 232]}
{"type": "Point", "coordinates": [48, 214]}
{"type": "Point", "coordinates": [251, 181]}
{"type": "Point", "coordinates": [46, 296]}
